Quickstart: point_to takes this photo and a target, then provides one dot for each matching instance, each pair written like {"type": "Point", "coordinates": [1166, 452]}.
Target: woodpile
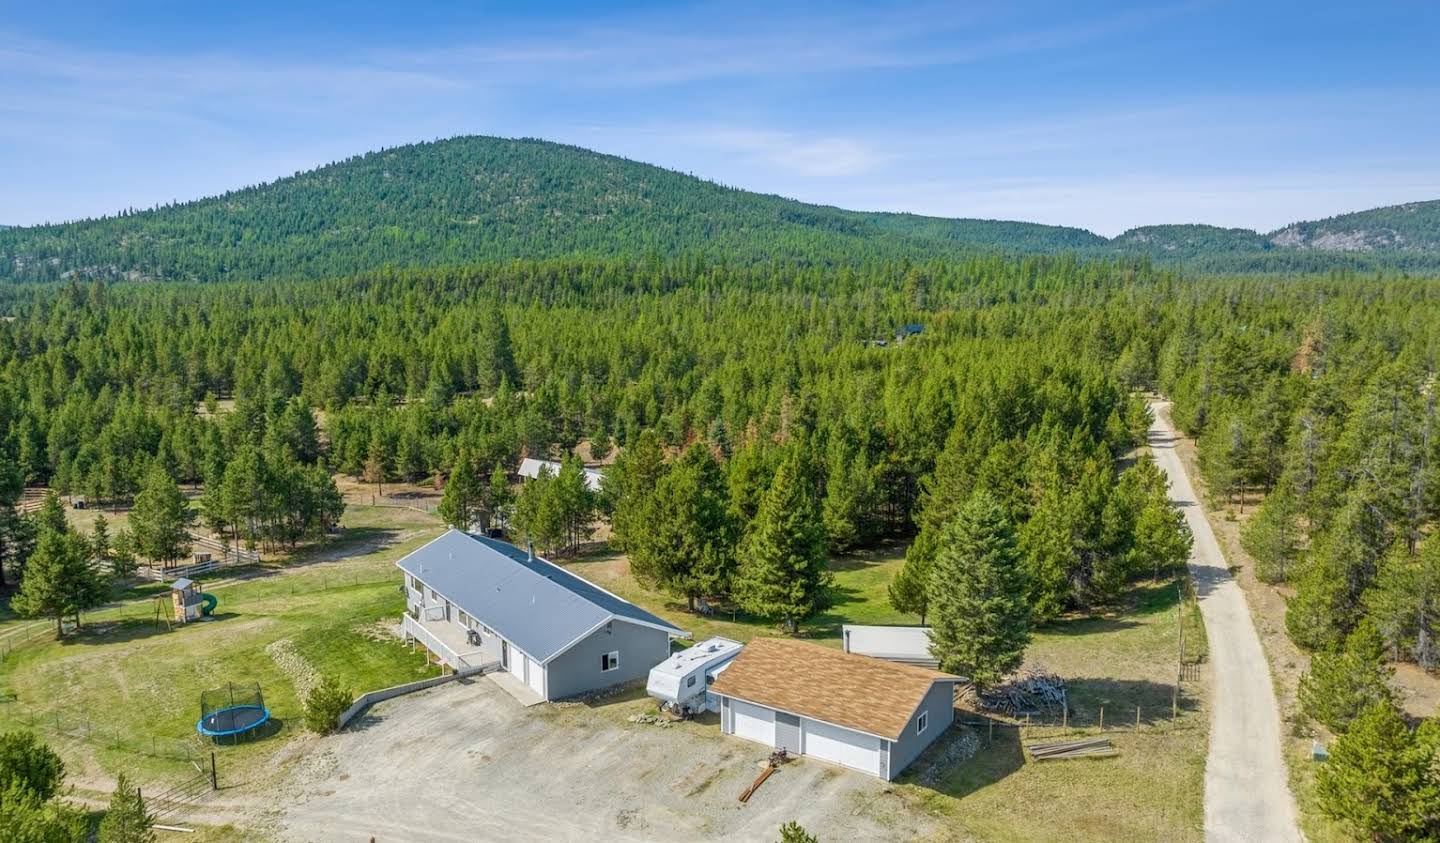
{"type": "Point", "coordinates": [1033, 692]}
{"type": "Point", "coordinates": [1084, 748]}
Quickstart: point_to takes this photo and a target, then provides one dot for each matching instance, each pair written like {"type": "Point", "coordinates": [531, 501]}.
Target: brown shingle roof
{"type": "Point", "coordinates": [858, 692]}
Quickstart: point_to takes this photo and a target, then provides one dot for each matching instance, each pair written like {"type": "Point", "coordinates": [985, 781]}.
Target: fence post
{"type": "Point", "coordinates": [1102, 718]}
{"type": "Point", "coordinates": [214, 776]}
{"type": "Point", "coordinates": [1137, 718]}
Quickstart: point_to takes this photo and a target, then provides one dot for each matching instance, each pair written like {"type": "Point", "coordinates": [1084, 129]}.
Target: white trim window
{"type": "Point", "coordinates": [610, 661]}
{"type": "Point", "coordinates": [922, 722]}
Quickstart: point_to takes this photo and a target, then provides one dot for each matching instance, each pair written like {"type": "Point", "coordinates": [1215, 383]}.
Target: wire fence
{"type": "Point", "coordinates": [100, 736]}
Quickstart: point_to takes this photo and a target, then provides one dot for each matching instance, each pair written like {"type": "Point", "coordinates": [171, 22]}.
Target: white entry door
{"type": "Point", "coordinates": [841, 746]}
{"type": "Point", "coordinates": [535, 676]}
{"type": "Point", "coordinates": [753, 722]}
{"type": "Point", "coordinates": [517, 664]}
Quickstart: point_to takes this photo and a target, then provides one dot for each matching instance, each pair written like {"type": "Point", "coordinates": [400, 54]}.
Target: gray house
{"type": "Point", "coordinates": [476, 601]}
{"type": "Point", "coordinates": [867, 714]}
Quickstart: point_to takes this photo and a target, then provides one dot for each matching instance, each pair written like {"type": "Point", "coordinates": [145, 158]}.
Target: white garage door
{"type": "Point", "coordinates": [841, 746]}
{"type": "Point", "coordinates": [753, 722]}
{"type": "Point", "coordinates": [536, 677]}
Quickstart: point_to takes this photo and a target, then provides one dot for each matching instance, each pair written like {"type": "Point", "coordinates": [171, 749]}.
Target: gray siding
{"type": "Point", "coordinates": [940, 704]}
{"type": "Point", "coordinates": [787, 732]}
{"type": "Point", "coordinates": [579, 669]}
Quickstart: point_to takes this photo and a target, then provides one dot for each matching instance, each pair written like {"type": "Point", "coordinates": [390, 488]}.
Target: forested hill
{"type": "Point", "coordinates": [479, 199]}
{"type": "Point", "coordinates": [482, 199]}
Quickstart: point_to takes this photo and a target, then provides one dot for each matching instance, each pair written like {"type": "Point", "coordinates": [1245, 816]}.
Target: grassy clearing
{"type": "Point", "coordinates": [1118, 661]}
{"type": "Point", "coordinates": [860, 596]}
{"type": "Point", "coordinates": [126, 680]}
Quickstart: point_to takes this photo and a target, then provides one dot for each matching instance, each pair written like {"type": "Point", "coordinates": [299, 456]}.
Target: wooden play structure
{"type": "Point", "coordinates": [185, 603]}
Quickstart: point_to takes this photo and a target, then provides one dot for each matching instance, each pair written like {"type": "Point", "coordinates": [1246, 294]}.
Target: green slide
{"type": "Point", "coordinates": [207, 603]}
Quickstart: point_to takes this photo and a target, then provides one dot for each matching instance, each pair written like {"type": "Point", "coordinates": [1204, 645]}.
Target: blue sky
{"type": "Point", "coordinates": [1103, 115]}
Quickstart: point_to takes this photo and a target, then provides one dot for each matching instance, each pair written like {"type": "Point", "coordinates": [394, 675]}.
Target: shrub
{"type": "Point", "coordinates": [324, 705]}
{"type": "Point", "coordinates": [792, 832]}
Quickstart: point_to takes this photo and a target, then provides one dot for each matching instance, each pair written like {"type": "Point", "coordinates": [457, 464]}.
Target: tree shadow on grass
{"type": "Point", "coordinates": [1141, 600]}
{"type": "Point", "coordinates": [130, 629]}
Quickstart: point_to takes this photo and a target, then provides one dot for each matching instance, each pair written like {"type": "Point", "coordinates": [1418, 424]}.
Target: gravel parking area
{"type": "Point", "coordinates": [467, 762]}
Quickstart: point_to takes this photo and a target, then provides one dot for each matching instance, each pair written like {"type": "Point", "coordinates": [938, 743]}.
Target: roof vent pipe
{"type": "Point", "coordinates": [529, 551]}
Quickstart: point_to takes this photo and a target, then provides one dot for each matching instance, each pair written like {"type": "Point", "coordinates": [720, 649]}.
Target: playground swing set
{"type": "Point", "coordinates": [184, 603]}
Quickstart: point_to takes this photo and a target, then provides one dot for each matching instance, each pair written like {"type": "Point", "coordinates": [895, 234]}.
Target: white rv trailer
{"type": "Point", "coordinates": [681, 682]}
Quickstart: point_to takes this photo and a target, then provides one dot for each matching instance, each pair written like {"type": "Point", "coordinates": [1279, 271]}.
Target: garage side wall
{"type": "Point", "coordinates": [579, 669]}
{"type": "Point", "coordinates": [939, 704]}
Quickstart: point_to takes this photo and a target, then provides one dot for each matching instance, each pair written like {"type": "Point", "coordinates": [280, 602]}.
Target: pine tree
{"type": "Point", "coordinates": [51, 515]}
{"type": "Point", "coordinates": [1382, 779]}
{"type": "Point", "coordinates": [1340, 684]}
{"type": "Point", "coordinates": [122, 556]}
{"type": "Point", "coordinates": [377, 462]}
{"type": "Point", "coordinates": [784, 572]}
{"type": "Point", "coordinates": [1328, 593]}
{"type": "Point", "coordinates": [630, 485]}
{"type": "Point", "coordinates": [28, 764]}
{"type": "Point", "coordinates": [100, 542]}
{"type": "Point", "coordinates": [909, 591]}
{"type": "Point", "coordinates": [1272, 536]}
{"type": "Point", "coordinates": [460, 505]}
{"type": "Point", "coordinates": [1405, 602]}
{"type": "Point", "coordinates": [126, 819]}
{"type": "Point", "coordinates": [59, 580]}
{"type": "Point", "coordinates": [160, 521]}
{"type": "Point", "coordinates": [499, 498]}
{"type": "Point", "coordinates": [980, 622]}
{"type": "Point", "coordinates": [688, 546]}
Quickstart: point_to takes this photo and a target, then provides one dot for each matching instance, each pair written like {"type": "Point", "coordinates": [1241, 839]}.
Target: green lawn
{"type": "Point", "coordinates": [124, 678]}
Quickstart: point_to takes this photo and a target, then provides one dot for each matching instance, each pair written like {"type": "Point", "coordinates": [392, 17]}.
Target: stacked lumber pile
{"type": "Point", "coordinates": [1085, 748]}
{"type": "Point", "coordinates": [1033, 691]}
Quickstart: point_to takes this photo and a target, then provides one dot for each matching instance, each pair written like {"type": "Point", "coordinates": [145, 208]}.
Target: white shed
{"type": "Point", "coordinates": [530, 469]}
{"type": "Point", "coordinates": [904, 644]}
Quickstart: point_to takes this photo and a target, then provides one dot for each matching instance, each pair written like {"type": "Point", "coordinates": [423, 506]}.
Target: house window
{"type": "Point", "coordinates": [610, 661]}
{"type": "Point", "coordinates": [922, 721]}
{"type": "Point", "coordinates": [690, 682]}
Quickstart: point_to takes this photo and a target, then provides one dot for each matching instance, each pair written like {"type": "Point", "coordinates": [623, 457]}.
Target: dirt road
{"type": "Point", "coordinates": [1247, 795]}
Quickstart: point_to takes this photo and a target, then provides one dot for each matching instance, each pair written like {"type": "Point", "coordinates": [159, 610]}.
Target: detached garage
{"type": "Point", "coordinates": [867, 714]}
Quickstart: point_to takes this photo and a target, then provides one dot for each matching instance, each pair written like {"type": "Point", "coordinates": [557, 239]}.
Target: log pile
{"type": "Point", "coordinates": [1033, 692]}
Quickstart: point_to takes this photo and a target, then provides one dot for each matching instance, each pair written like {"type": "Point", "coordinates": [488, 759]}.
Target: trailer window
{"type": "Point", "coordinates": [690, 682]}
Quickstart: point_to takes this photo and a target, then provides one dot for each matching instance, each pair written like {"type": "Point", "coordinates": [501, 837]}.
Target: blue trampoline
{"type": "Point", "coordinates": [232, 711]}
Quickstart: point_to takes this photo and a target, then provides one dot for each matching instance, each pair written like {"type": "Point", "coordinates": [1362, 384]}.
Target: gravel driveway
{"type": "Point", "coordinates": [467, 762]}
{"type": "Point", "coordinates": [1247, 791]}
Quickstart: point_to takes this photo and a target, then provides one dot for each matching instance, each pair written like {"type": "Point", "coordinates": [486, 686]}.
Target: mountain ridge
{"type": "Point", "coordinates": [479, 198]}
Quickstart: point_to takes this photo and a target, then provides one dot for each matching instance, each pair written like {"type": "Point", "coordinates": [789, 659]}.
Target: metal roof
{"type": "Point", "coordinates": [896, 643]}
{"type": "Point", "coordinates": [530, 467]}
{"type": "Point", "coordinates": [532, 603]}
